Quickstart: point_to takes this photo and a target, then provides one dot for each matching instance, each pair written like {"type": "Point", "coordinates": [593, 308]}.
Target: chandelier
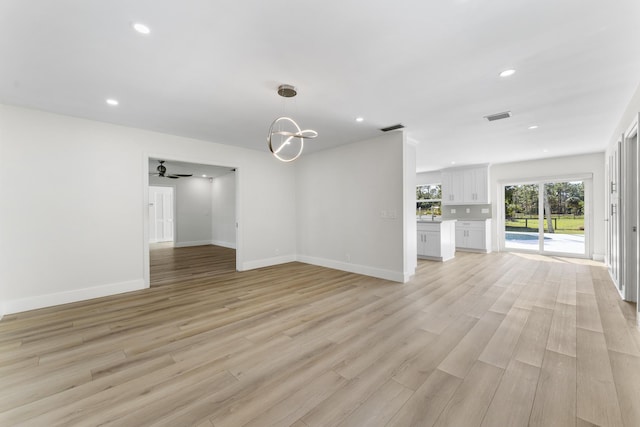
{"type": "Point", "coordinates": [286, 139]}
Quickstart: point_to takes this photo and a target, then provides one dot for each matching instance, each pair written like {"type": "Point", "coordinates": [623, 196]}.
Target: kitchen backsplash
{"type": "Point", "coordinates": [466, 212]}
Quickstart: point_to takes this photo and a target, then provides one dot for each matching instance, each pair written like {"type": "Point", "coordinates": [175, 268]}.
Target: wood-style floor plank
{"type": "Point", "coordinates": [555, 399]}
{"type": "Point", "coordinates": [493, 339]}
{"type": "Point", "coordinates": [626, 375]}
{"type": "Point", "coordinates": [595, 384]}
{"type": "Point", "coordinates": [471, 400]}
{"type": "Point", "coordinates": [512, 403]}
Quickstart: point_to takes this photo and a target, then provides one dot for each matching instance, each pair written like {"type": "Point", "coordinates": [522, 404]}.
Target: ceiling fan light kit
{"type": "Point", "coordinates": [292, 142]}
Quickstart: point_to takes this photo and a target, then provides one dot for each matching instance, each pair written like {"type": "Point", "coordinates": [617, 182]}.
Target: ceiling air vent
{"type": "Point", "coordinates": [498, 116]}
{"type": "Point", "coordinates": [394, 127]}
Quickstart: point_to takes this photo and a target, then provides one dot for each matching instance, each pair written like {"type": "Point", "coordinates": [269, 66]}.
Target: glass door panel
{"type": "Point", "coordinates": [521, 217]}
{"type": "Point", "coordinates": [563, 223]}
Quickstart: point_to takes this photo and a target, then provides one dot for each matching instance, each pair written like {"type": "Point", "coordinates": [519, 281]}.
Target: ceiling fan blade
{"type": "Point", "coordinates": [173, 176]}
{"type": "Point", "coordinates": [182, 175]}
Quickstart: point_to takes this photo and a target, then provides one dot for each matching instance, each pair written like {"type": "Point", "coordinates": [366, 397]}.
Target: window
{"type": "Point", "coordinates": [428, 200]}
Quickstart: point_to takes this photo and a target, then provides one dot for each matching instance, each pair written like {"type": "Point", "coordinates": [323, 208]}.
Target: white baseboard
{"type": "Point", "coordinates": [396, 276]}
{"type": "Point", "coordinates": [230, 245]}
{"type": "Point", "coordinates": [41, 301]}
{"type": "Point", "coordinates": [194, 243]}
{"type": "Point", "coordinates": [267, 262]}
{"type": "Point", "coordinates": [598, 257]}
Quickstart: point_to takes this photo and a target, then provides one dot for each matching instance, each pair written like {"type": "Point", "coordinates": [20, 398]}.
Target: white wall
{"type": "Point", "coordinates": [559, 166]}
{"type": "Point", "coordinates": [629, 116]}
{"type": "Point", "coordinates": [74, 205]}
{"type": "Point", "coordinates": [192, 199]}
{"type": "Point", "coordinates": [426, 178]}
{"type": "Point", "coordinates": [410, 231]}
{"type": "Point", "coordinates": [350, 207]}
{"type": "Point", "coordinates": [224, 210]}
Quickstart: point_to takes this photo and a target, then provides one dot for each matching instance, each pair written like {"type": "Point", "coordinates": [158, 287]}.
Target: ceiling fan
{"type": "Point", "coordinates": [162, 172]}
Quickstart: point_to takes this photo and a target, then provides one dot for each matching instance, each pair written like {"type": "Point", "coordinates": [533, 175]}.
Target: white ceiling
{"type": "Point", "coordinates": [210, 69]}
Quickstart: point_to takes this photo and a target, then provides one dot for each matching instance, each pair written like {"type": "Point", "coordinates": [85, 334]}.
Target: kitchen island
{"type": "Point", "coordinates": [436, 239]}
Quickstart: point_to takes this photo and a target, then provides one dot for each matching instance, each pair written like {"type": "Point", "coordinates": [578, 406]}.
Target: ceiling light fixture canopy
{"type": "Point", "coordinates": [291, 142]}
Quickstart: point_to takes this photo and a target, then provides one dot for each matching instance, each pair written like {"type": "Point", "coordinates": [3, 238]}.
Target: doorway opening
{"type": "Point", "coordinates": [190, 221]}
{"type": "Point", "coordinates": [161, 214]}
{"type": "Point", "coordinates": [549, 216]}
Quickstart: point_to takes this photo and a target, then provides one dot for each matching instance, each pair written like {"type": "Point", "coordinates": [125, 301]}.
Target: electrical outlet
{"type": "Point", "coordinates": [468, 210]}
{"type": "Point", "coordinates": [453, 211]}
{"type": "Point", "coordinates": [485, 210]}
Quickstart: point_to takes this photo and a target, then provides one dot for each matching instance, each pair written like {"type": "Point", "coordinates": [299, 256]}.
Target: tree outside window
{"type": "Point", "coordinates": [429, 200]}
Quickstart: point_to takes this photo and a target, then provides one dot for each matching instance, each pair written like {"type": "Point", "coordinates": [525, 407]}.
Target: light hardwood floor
{"type": "Point", "coordinates": [482, 340]}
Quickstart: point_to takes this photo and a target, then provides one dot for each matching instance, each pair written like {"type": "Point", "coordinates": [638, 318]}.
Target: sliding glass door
{"type": "Point", "coordinates": [546, 217]}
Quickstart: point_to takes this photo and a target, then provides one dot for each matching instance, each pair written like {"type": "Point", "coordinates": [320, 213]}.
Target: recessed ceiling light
{"type": "Point", "coordinates": [112, 102]}
{"type": "Point", "coordinates": [533, 127]}
{"type": "Point", "coordinates": [359, 119]}
{"type": "Point", "coordinates": [453, 163]}
{"type": "Point", "coordinates": [507, 73]}
{"type": "Point", "coordinates": [204, 176]}
{"type": "Point", "coordinates": [141, 28]}
{"type": "Point", "coordinates": [545, 151]}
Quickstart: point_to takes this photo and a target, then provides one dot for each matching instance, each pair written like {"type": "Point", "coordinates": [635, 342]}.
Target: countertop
{"type": "Point", "coordinates": [437, 220]}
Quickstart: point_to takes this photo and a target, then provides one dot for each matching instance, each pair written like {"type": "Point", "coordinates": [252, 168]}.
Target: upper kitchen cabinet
{"type": "Point", "coordinates": [465, 186]}
{"type": "Point", "coordinates": [452, 188]}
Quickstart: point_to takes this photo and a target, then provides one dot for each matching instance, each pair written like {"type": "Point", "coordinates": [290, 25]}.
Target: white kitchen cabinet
{"type": "Point", "coordinates": [436, 240]}
{"type": "Point", "coordinates": [465, 186]}
{"type": "Point", "coordinates": [476, 186]}
{"type": "Point", "coordinates": [452, 188]}
{"type": "Point", "coordinates": [474, 236]}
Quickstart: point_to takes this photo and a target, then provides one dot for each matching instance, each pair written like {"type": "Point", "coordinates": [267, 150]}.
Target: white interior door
{"type": "Point", "coordinates": [160, 214]}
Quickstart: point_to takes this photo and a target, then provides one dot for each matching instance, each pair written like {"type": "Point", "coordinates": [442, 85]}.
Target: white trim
{"type": "Point", "coordinates": [48, 300]}
{"type": "Point", "coordinates": [193, 243]}
{"type": "Point", "coordinates": [267, 262]}
{"type": "Point", "coordinates": [598, 257]}
{"type": "Point", "coordinates": [238, 223]}
{"type": "Point", "coordinates": [146, 262]}
{"type": "Point", "coordinates": [396, 276]}
{"type": "Point", "coordinates": [545, 179]}
{"type": "Point", "coordinates": [229, 245]}
{"type": "Point", "coordinates": [632, 130]}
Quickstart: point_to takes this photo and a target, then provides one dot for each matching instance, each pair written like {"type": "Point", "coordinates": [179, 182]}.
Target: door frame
{"type": "Point", "coordinates": [630, 214]}
{"type": "Point", "coordinates": [587, 178]}
{"type": "Point", "coordinates": [146, 262]}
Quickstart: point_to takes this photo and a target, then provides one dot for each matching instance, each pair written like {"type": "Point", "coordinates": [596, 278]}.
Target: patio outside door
{"type": "Point", "coordinates": [546, 217]}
